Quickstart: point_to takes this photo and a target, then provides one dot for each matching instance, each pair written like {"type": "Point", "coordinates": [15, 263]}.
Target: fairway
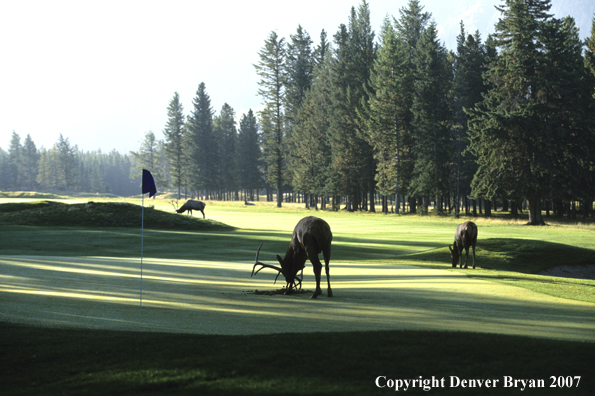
{"type": "Point", "coordinates": [387, 273]}
{"type": "Point", "coordinates": [71, 295]}
{"type": "Point", "coordinates": [208, 297]}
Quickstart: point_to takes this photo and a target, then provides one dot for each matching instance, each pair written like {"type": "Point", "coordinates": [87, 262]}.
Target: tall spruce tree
{"type": "Point", "coordinates": [299, 67]}
{"type": "Point", "coordinates": [321, 52]}
{"type": "Point", "coordinates": [311, 157]}
{"type": "Point", "coordinates": [249, 155]}
{"type": "Point", "coordinates": [514, 146]}
{"type": "Point", "coordinates": [29, 163]}
{"type": "Point", "coordinates": [13, 167]}
{"type": "Point", "coordinates": [148, 157]}
{"type": "Point", "coordinates": [47, 175]}
{"type": "Point", "coordinates": [354, 56]}
{"type": "Point", "coordinates": [590, 54]}
{"type": "Point", "coordinates": [410, 26]}
{"type": "Point", "coordinates": [202, 148]}
{"type": "Point", "coordinates": [224, 126]}
{"type": "Point", "coordinates": [467, 91]}
{"type": "Point", "coordinates": [432, 118]}
{"type": "Point", "coordinates": [66, 163]}
{"type": "Point", "coordinates": [385, 111]}
{"type": "Point", "coordinates": [568, 112]}
{"type": "Point", "coordinates": [271, 70]}
{"type": "Point", "coordinates": [174, 142]}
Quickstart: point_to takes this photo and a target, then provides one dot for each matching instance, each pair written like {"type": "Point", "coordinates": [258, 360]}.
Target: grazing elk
{"type": "Point", "coordinates": [191, 205]}
{"type": "Point", "coordinates": [310, 236]}
{"type": "Point", "coordinates": [465, 236]}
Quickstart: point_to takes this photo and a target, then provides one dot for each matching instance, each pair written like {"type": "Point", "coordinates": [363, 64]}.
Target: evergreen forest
{"type": "Point", "coordinates": [390, 121]}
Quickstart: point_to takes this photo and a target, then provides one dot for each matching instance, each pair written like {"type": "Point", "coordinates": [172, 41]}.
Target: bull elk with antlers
{"type": "Point", "coordinates": [310, 237]}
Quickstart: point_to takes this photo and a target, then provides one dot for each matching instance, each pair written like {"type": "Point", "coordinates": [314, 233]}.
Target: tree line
{"type": "Point", "coordinates": [510, 118]}
{"type": "Point", "coordinates": [396, 120]}
{"type": "Point", "coordinates": [64, 168]}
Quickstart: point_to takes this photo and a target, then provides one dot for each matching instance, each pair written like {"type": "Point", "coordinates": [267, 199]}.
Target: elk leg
{"type": "Point", "coordinates": [460, 250]}
{"type": "Point", "coordinates": [317, 265]}
{"type": "Point", "coordinates": [203, 214]}
{"type": "Point", "coordinates": [327, 257]}
{"type": "Point", "coordinates": [473, 246]}
{"type": "Point", "coordinates": [466, 257]}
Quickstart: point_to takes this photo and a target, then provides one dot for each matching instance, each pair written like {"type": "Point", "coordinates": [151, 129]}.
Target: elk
{"type": "Point", "coordinates": [465, 236]}
{"type": "Point", "coordinates": [191, 205]}
{"type": "Point", "coordinates": [310, 236]}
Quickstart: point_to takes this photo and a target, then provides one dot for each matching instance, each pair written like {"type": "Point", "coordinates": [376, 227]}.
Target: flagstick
{"type": "Point", "coordinates": [141, 249]}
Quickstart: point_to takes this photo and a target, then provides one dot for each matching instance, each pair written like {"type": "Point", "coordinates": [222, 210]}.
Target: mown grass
{"type": "Point", "coordinates": [518, 261]}
{"type": "Point", "coordinates": [46, 360]}
{"type": "Point", "coordinates": [52, 361]}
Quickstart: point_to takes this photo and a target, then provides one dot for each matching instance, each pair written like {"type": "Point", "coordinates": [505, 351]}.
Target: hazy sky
{"type": "Point", "coordinates": [102, 73]}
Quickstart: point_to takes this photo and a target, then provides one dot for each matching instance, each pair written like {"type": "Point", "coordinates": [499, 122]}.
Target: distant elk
{"type": "Point", "coordinates": [191, 205]}
{"type": "Point", "coordinates": [310, 237]}
{"type": "Point", "coordinates": [465, 236]}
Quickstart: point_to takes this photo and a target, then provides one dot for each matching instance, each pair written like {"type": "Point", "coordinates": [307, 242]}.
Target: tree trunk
{"type": "Point", "coordinates": [488, 208]}
{"type": "Point", "coordinates": [425, 204]}
{"type": "Point", "coordinates": [535, 217]}
{"type": "Point", "coordinates": [412, 205]}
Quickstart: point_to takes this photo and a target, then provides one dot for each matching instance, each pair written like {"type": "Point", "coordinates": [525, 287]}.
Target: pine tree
{"type": "Point", "coordinates": [13, 167]}
{"type": "Point", "coordinates": [271, 70]}
{"type": "Point", "coordinates": [364, 51]}
{"type": "Point", "coordinates": [514, 145]}
{"type": "Point", "coordinates": [311, 157]}
{"type": "Point", "coordinates": [568, 111]}
{"type": "Point", "coordinates": [29, 163]}
{"type": "Point", "coordinates": [467, 91]}
{"type": "Point", "coordinates": [47, 176]}
{"type": "Point", "coordinates": [431, 118]}
{"type": "Point", "coordinates": [299, 68]}
{"type": "Point", "coordinates": [321, 52]}
{"type": "Point", "coordinates": [248, 154]}
{"type": "Point", "coordinates": [385, 110]}
{"type": "Point", "coordinates": [149, 157]}
{"type": "Point", "coordinates": [202, 147]}
{"type": "Point", "coordinates": [590, 54]}
{"type": "Point", "coordinates": [174, 142]}
{"type": "Point", "coordinates": [225, 130]}
{"type": "Point", "coordinates": [353, 59]}
{"type": "Point", "coordinates": [66, 164]}
{"type": "Point", "coordinates": [3, 169]}
{"type": "Point", "coordinates": [410, 27]}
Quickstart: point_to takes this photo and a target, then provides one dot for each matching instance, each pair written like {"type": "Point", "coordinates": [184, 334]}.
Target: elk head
{"type": "Point", "coordinates": [288, 269]}
{"type": "Point", "coordinates": [454, 254]}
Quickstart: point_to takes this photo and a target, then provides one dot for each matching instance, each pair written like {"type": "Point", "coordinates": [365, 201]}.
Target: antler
{"type": "Point", "coordinates": [256, 262]}
{"type": "Point", "coordinates": [278, 269]}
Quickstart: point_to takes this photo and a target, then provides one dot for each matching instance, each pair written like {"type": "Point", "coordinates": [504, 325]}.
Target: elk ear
{"type": "Point", "coordinates": [280, 260]}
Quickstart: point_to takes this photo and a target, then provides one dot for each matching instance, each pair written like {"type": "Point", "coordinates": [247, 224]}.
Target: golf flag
{"type": "Point", "coordinates": [148, 187]}
{"type": "Point", "coordinates": [148, 183]}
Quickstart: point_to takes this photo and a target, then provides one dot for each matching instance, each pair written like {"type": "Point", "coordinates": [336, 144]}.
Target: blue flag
{"type": "Point", "coordinates": [148, 183]}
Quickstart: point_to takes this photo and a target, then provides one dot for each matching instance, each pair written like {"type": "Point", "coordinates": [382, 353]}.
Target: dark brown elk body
{"type": "Point", "coordinates": [310, 237]}
{"type": "Point", "coordinates": [465, 237]}
{"type": "Point", "coordinates": [191, 205]}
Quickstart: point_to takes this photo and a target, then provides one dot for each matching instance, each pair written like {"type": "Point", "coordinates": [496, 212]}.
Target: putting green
{"type": "Point", "coordinates": [205, 297]}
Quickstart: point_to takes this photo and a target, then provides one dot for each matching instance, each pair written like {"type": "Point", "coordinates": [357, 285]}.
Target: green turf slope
{"type": "Point", "coordinates": [207, 297]}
